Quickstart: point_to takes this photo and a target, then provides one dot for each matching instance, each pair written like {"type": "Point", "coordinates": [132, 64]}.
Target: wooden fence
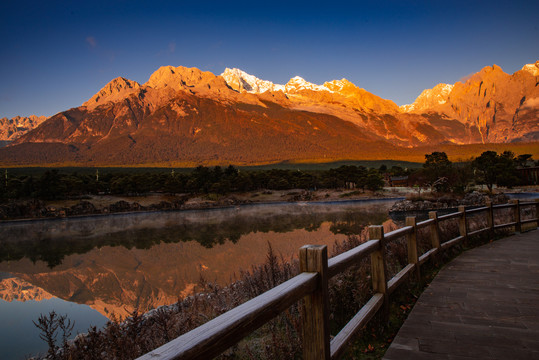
{"type": "Point", "coordinates": [311, 285]}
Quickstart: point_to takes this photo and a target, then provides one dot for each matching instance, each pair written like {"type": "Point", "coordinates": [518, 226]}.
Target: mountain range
{"type": "Point", "coordinates": [11, 129]}
{"type": "Point", "coordinates": [185, 116]}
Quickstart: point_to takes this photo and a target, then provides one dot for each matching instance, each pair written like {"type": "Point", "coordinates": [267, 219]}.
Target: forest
{"type": "Point", "coordinates": [437, 174]}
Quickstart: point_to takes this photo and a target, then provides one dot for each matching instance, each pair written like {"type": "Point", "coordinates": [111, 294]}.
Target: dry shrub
{"type": "Point", "coordinates": [424, 240]}
{"type": "Point", "coordinates": [448, 229]}
{"type": "Point", "coordinates": [477, 221]}
{"type": "Point", "coordinates": [140, 333]}
{"type": "Point", "coordinates": [349, 290]}
{"type": "Point", "coordinates": [396, 256]}
{"type": "Point", "coordinates": [273, 272]}
{"type": "Point", "coordinates": [503, 216]}
{"type": "Point", "coordinates": [528, 212]}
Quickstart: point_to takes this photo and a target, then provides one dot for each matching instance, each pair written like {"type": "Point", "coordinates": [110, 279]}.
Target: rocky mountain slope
{"type": "Point", "coordinates": [429, 98]}
{"type": "Point", "coordinates": [12, 288]}
{"type": "Point", "coordinates": [10, 129]}
{"type": "Point", "coordinates": [498, 106]}
{"type": "Point", "coordinates": [188, 116]}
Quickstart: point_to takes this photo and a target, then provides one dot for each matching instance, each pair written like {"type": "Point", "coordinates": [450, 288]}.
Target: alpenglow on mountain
{"type": "Point", "coordinates": [11, 129]}
{"type": "Point", "coordinates": [188, 116]}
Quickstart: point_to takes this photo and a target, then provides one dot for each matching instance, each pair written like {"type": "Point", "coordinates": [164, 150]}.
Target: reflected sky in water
{"type": "Point", "coordinates": [20, 338]}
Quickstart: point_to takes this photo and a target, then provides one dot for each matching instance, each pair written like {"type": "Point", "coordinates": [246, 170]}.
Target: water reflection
{"type": "Point", "coordinates": [118, 263]}
{"type": "Point", "coordinates": [50, 241]}
{"type": "Point", "coordinates": [19, 338]}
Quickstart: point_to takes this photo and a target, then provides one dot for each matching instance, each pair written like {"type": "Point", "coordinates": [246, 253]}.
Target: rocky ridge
{"type": "Point", "coordinates": [13, 288]}
{"type": "Point", "coordinates": [494, 106]}
{"type": "Point", "coordinates": [241, 81]}
{"type": "Point", "coordinates": [339, 91]}
{"type": "Point", "coordinates": [532, 68]}
{"type": "Point", "coordinates": [191, 116]}
{"type": "Point", "coordinates": [429, 98]}
{"type": "Point", "coordinates": [114, 91]}
{"type": "Point", "coordinates": [11, 129]}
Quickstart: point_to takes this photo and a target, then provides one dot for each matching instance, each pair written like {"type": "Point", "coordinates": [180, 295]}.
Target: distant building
{"type": "Point", "coordinates": [529, 175]}
{"type": "Point", "coordinates": [398, 181]}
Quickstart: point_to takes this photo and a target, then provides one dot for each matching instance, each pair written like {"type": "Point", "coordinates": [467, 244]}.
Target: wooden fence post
{"type": "Point", "coordinates": [463, 226]}
{"type": "Point", "coordinates": [411, 240]}
{"type": "Point", "coordinates": [516, 212]}
{"type": "Point", "coordinates": [490, 216]}
{"type": "Point", "coordinates": [435, 231]}
{"type": "Point", "coordinates": [378, 267]}
{"type": "Point", "coordinates": [315, 310]}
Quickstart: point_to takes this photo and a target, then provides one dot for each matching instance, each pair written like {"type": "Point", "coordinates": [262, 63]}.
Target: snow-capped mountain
{"type": "Point", "coordinates": [438, 95]}
{"type": "Point", "coordinates": [309, 94]}
{"type": "Point", "coordinates": [297, 83]}
{"type": "Point", "coordinates": [241, 81]}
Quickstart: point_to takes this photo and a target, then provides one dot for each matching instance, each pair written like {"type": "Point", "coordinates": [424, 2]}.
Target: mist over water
{"type": "Point", "coordinates": [98, 226]}
{"type": "Point", "coordinates": [114, 264]}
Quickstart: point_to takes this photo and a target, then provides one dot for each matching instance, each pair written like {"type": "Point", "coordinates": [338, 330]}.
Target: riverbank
{"type": "Point", "coordinates": [474, 198]}
{"type": "Point", "coordinates": [94, 205]}
{"type": "Point", "coordinates": [110, 204]}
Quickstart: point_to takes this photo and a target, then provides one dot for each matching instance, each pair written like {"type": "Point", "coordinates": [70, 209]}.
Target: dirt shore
{"type": "Point", "coordinates": [109, 204]}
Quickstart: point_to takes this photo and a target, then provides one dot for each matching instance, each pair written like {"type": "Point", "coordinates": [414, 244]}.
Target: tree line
{"type": "Point", "coordinates": [490, 168]}
{"type": "Point", "coordinates": [438, 174]}
{"type": "Point", "coordinates": [53, 184]}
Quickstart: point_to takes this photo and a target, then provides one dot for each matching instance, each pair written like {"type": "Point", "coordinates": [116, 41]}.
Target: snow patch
{"type": "Point", "coordinates": [532, 68]}
{"type": "Point", "coordinates": [531, 103]}
{"type": "Point", "coordinates": [438, 95]}
{"type": "Point", "coordinates": [298, 83]}
{"type": "Point", "coordinates": [244, 82]}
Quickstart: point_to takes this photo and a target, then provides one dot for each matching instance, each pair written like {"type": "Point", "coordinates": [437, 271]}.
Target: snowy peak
{"type": "Point", "coordinates": [241, 81]}
{"type": "Point", "coordinates": [429, 98]}
{"type": "Point", "coordinates": [532, 68]}
{"type": "Point", "coordinates": [297, 83]}
{"type": "Point", "coordinates": [342, 85]}
{"type": "Point", "coordinates": [333, 91]}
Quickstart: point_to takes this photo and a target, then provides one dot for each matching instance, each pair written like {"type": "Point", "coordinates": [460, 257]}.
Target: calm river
{"type": "Point", "coordinates": [92, 268]}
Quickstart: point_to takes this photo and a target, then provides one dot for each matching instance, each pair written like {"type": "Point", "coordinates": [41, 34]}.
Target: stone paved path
{"type": "Point", "coordinates": [482, 305]}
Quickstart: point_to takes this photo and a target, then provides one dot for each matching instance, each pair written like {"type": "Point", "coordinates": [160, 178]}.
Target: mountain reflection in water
{"type": "Point", "coordinates": [118, 263]}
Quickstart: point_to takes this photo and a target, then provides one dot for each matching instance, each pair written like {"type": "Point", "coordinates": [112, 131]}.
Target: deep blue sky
{"type": "Point", "coordinates": [56, 54]}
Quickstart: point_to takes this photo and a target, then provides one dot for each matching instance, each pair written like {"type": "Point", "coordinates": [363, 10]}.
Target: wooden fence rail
{"type": "Point", "coordinates": [311, 285]}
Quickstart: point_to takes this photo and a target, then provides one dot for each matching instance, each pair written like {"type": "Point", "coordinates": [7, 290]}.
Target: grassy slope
{"type": "Point", "coordinates": [404, 157]}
